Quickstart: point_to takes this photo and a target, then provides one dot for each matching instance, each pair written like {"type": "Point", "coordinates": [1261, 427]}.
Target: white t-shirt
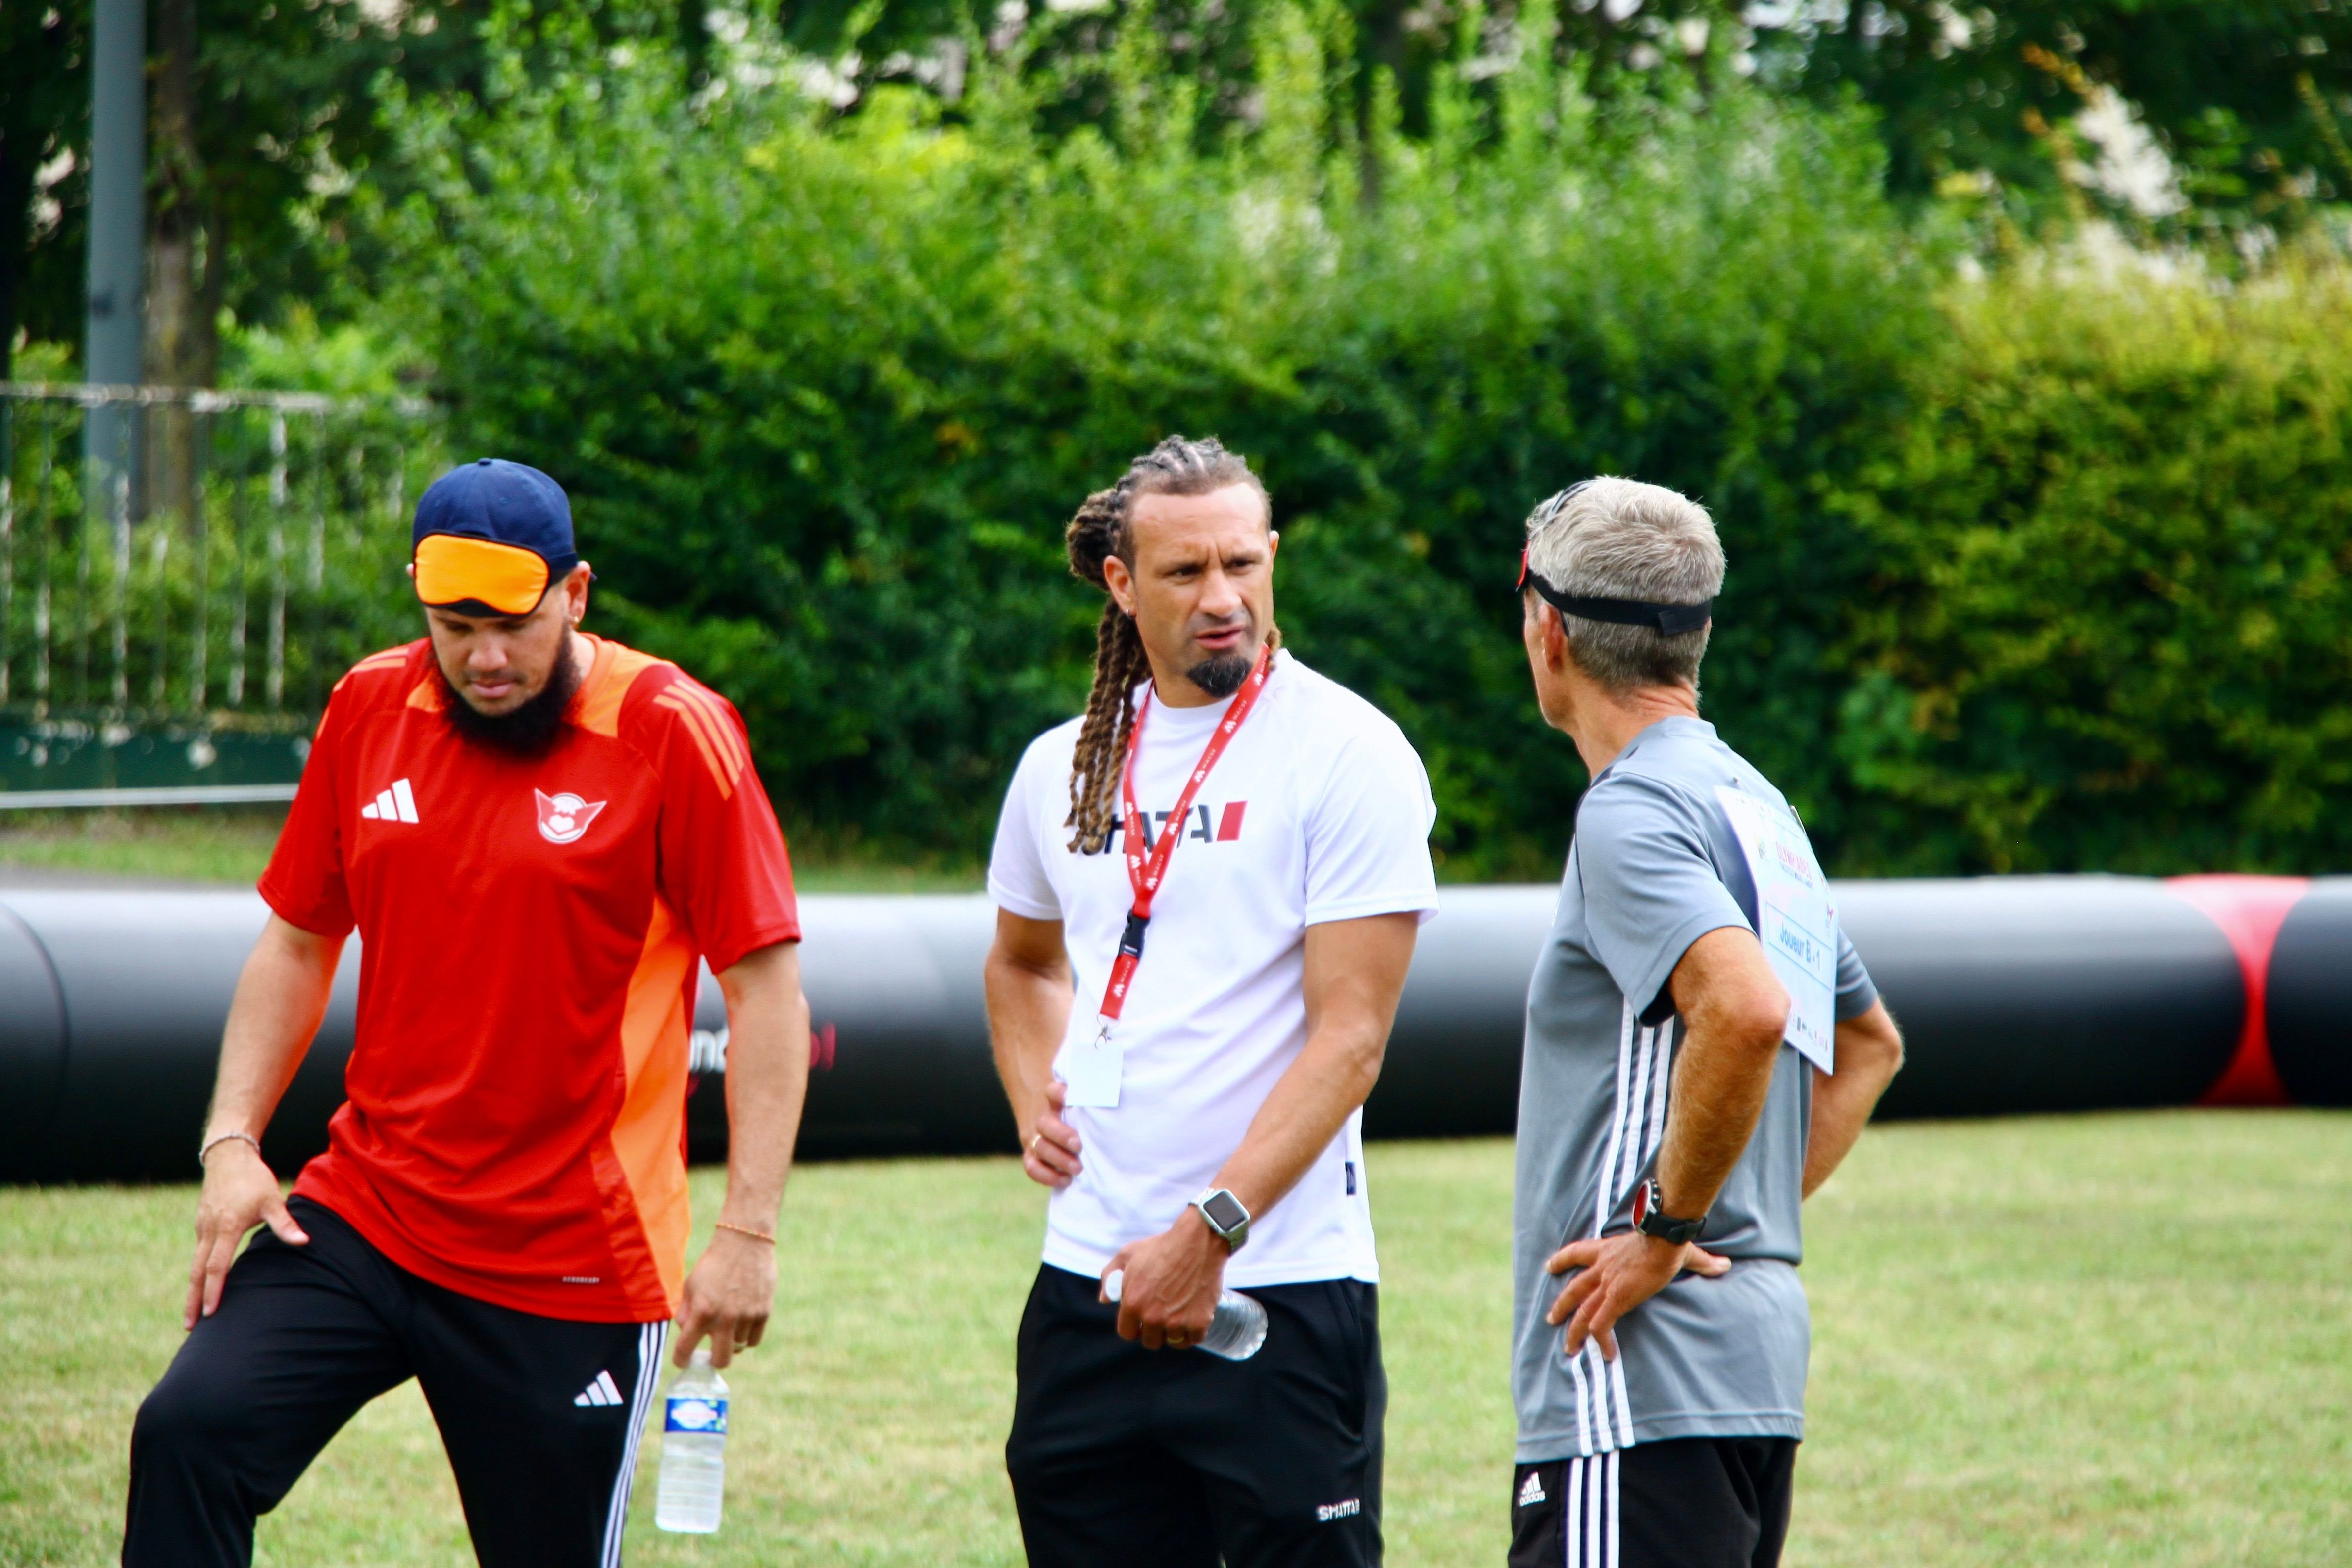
{"type": "Point", "coordinates": [1320, 810]}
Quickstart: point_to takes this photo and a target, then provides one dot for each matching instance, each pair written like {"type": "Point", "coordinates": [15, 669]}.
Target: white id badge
{"type": "Point", "coordinates": [1089, 1068]}
{"type": "Point", "coordinates": [1796, 921]}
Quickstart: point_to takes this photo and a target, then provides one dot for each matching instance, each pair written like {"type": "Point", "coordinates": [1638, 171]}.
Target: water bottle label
{"type": "Point", "coordinates": [693, 1413]}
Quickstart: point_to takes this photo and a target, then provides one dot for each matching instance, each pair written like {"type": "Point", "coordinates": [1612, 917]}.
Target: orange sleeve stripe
{"type": "Point", "coordinates": [717, 732]}
{"type": "Point", "coordinates": [390, 658]}
{"type": "Point", "coordinates": [721, 721]}
{"type": "Point", "coordinates": [721, 724]}
{"type": "Point", "coordinates": [719, 772]}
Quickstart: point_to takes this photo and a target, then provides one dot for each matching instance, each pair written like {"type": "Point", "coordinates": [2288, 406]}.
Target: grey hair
{"type": "Point", "coordinates": [1621, 539]}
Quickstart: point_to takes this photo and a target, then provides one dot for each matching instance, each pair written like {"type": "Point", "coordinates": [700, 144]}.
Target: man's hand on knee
{"type": "Point", "coordinates": [240, 1191]}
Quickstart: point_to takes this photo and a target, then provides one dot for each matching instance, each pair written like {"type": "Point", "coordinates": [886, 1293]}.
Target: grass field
{"type": "Point", "coordinates": [225, 844]}
{"type": "Point", "coordinates": [2117, 1340]}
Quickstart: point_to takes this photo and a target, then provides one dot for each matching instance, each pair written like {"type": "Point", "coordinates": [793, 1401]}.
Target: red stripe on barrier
{"type": "Point", "coordinates": [2249, 910]}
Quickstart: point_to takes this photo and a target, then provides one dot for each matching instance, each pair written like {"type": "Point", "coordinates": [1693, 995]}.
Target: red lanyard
{"type": "Point", "coordinates": [1144, 874]}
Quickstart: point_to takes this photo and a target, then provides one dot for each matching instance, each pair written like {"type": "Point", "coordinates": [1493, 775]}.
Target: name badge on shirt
{"type": "Point", "coordinates": [1796, 921]}
{"type": "Point", "coordinates": [1090, 1069]}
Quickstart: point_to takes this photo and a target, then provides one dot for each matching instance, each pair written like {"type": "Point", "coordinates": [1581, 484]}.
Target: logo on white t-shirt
{"type": "Point", "coordinates": [563, 818]}
{"type": "Point", "coordinates": [1205, 824]}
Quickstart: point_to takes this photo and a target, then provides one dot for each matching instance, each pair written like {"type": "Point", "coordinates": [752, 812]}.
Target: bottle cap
{"type": "Point", "coordinates": [1111, 1283]}
{"type": "Point", "coordinates": [701, 1357]}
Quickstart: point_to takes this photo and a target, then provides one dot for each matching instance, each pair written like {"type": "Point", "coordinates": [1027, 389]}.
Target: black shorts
{"type": "Point", "coordinates": [1693, 1503]}
{"type": "Point", "coordinates": [1178, 1459]}
{"type": "Point", "coordinates": [540, 1416]}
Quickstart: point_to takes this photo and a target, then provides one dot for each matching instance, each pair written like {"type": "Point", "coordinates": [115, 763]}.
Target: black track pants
{"type": "Point", "coordinates": [1176, 1459]}
{"type": "Point", "coordinates": [540, 1416]}
{"type": "Point", "coordinates": [1691, 1502]}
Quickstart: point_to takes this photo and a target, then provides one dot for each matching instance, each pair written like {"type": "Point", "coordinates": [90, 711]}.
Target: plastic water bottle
{"type": "Point", "coordinates": [693, 1450]}
{"type": "Point", "coordinates": [1237, 1332]}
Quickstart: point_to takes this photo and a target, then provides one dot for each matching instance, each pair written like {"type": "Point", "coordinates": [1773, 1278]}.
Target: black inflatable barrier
{"type": "Point", "coordinates": [2040, 994]}
{"type": "Point", "coordinates": [110, 1014]}
{"type": "Point", "coordinates": [2310, 1002]}
{"type": "Point", "coordinates": [2016, 994]}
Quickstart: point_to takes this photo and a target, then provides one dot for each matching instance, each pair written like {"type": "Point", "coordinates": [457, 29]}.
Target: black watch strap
{"type": "Point", "coordinates": [1650, 1217]}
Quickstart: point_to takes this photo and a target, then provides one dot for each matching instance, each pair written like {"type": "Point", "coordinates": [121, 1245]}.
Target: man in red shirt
{"type": "Point", "coordinates": [537, 834]}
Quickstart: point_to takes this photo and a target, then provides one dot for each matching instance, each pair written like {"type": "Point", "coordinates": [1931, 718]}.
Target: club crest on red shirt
{"type": "Point", "coordinates": [563, 818]}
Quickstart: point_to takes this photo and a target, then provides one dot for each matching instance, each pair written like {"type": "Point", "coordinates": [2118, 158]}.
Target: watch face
{"type": "Point", "coordinates": [1224, 1209]}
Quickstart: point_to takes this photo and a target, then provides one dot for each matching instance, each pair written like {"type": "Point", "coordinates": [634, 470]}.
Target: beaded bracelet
{"type": "Point", "coordinates": [218, 1138]}
{"type": "Point", "coordinates": [767, 1235]}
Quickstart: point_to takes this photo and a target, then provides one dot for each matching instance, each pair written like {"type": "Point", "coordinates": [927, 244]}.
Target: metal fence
{"type": "Point", "coordinates": [183, 572]}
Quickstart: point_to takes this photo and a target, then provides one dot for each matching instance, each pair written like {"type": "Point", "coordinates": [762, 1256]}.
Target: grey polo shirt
{"type": "Point", "coordinates": [1654, 866]}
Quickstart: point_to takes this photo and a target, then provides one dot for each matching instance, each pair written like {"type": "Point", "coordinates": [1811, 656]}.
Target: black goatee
{"type": "Point", "coordinates": [1222, 675]}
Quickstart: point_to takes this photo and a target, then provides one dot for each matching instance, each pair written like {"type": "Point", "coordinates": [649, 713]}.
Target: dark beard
{"type": "Point", "coordinates": [529, 730]}
{"type": "Point", "coordinates": [1222, 674]}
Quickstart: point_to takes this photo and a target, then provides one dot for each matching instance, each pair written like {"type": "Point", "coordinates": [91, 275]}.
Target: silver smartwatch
{"type": "Point", "coordinates": [1225, 1215]}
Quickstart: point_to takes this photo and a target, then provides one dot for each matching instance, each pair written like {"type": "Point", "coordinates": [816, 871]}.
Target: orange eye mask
{"type": "Point", "coordinates": [453, 570]}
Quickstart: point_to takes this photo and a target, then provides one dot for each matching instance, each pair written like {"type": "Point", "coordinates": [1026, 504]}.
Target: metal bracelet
{"type": "Point", "coordinates": [767, 1235]}
{"type": "Point", "coordinates": [218, 1138]}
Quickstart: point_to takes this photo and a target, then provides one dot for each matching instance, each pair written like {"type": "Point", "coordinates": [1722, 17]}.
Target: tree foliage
{"type": "Point", "coordinates": [2044, 571]}
{"type": "Point", "coordinates": [263, 132]}
{"type": "Point", "coordinates": [827, 389]}
{"type": "Point", "coordinates": [2114, 558]}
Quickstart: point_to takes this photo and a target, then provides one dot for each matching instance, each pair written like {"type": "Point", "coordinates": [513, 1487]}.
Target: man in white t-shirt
{"type": "Point", "coordinates": [1197, 959]}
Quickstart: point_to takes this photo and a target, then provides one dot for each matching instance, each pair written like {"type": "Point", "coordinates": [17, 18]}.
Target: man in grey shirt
{"type": "Point", "coordinates": [1667, 1134]}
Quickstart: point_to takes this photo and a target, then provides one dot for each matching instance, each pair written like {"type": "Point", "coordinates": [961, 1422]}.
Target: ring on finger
{"type": "Point", "coordinates": [1036, 1139]}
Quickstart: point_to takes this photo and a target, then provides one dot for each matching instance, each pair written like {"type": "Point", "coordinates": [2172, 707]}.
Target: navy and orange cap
{"type": "Point", "coordinates": [491, 538]}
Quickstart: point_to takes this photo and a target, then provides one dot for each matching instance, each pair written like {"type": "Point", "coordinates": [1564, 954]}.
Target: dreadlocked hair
{"type": "Point", "coordinates": [1177, 466]}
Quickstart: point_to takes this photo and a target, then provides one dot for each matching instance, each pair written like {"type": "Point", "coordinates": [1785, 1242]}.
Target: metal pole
{"type": "Point", "coordinates": [7, 538]}
{"type": "Point", "coordinates": [320, 477]}
{"type": "Point", "coordinates": [112, 345]}
{"type": "Point", "coordinates": [273, 683]}
{"type": "Point", "coordinates": [200, 442]}
{"type": "Point", "coordinates": [91, 499]}
{"type": "Point", "coordinates": [159, 551]}
{"type": "Point", "coordinates": [121, 602]}
{"type": "Point", "coordinates": [41, 623]}
{"type": "Point", "coordinates": [237, 553]}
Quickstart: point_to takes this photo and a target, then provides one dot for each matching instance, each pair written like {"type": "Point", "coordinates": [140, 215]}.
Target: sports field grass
{"type": "Point", "coordinates": [232, 844]}
{"type": "Point", "coordinates": [2116, 1339]}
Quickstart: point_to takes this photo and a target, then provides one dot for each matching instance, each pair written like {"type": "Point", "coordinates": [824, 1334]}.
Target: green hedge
{"type": "Point", "coordinates": [824, 391]}
{"type": "Point", "coordinates": [2112, 628]}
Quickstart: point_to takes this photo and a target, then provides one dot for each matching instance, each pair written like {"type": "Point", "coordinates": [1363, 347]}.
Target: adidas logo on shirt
{"type": "Point", "coordinates": [601, 1392]}
{"type": "Point", "coordinates": [393, 805]}
{"type": "Point", "coordinates": [1532, 1492]}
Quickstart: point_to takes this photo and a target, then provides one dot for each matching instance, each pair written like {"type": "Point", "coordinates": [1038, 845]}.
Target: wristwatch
{"type": "Point", "coordinates": [1650, 1217]}
{"type": "Point", "coordinates": [1225, 1215]}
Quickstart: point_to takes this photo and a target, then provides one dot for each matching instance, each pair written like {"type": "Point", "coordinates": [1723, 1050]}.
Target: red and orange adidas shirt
{"type": "Point", "coordinates": [529, 931]}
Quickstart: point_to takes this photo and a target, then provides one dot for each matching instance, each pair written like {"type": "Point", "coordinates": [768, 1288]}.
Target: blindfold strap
{"type": "Point", "coordinates": [1671, 619]}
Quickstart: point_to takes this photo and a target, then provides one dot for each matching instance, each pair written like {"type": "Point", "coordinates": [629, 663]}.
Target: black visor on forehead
{"type": "Point", "coordinates": [1671, 619]}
